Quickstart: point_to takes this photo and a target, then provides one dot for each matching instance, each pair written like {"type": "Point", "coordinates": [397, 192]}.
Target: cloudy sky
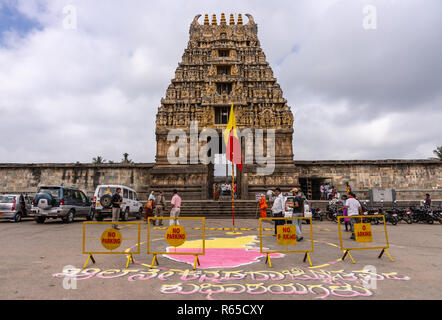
{"type": "Point", "coordinates": [68, 95]}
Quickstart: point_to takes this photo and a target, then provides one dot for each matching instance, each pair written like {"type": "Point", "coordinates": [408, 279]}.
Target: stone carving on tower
{"type": "Point", "coordinates": [224, 64]}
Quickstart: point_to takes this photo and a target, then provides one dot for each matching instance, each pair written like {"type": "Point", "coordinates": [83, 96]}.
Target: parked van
{"type": "Point", "coordinates": [102, 204]}
{"type": "Point", "coordinates": [60, 202]}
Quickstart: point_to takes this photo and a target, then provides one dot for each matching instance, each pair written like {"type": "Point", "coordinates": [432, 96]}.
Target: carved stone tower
{"type": "Point", "coordinates": [223, 64]}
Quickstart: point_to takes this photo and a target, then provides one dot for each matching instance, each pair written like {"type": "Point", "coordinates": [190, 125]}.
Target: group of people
{"type": "Point", "coordinates": [328, 191]}
{"type": "Point", "coordinates": [279, 208]}
{"type": "Point", "coordinates": [157, 205]}
{"type": "Point", "coordinates": [351, 207]}
{"type": "Point", "coordinates": [224, 189]}
{"type": "Point", "coordinates": [154, 204]}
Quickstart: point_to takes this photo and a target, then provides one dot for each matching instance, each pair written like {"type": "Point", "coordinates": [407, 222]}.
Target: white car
{"type": "Point", "coordinates": [102, 204]}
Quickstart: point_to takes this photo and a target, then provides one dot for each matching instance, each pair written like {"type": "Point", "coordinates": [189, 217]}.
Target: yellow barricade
{"type": "Point", "coordinates": [286, 236]}
{"type": "Point", "coordinates": [100, 240]}
{"type": "Point", "coordinates": [364, 234]}
{"type": "Point", "coordinates": [176, 235]}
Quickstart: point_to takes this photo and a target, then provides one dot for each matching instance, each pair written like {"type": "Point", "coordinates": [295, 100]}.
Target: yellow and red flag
{"type": "Point", "coordinates": [233, 150]}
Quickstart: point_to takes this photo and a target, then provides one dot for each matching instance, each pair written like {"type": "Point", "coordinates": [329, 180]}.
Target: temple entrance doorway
{"type": "Point", "coordinates": [222, 176]}
{"type": "Point", "coordinates": [311, 187]}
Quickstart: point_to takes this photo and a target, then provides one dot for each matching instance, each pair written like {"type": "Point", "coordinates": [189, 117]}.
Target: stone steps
{"type": "Point", "coordinates": [218, 209]}
{"type": "Point", "coordinates": [247, 208]}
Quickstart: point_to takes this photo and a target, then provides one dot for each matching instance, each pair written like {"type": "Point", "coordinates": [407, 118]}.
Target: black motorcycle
{"type": "Point", "coordinates": [370, 212]}
{"type": "Point", "coordinates": [404, 215]}
{"type": "Point", "coordinates": [437, 215]}
{"type": "Point", "coordinates": [422, 214]}
{"type": "Point", "coordinates": [391, 216]}
{"type": "Point", "coordinates": [316, 214]}
{"type": "Point", "coordinates": [333, 210]}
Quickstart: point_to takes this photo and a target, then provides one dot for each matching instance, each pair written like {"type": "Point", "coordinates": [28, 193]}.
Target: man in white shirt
{"type": "Point", "coordinates": [278, 208]}
{"type": "Point", "coordinates": [353, 209]}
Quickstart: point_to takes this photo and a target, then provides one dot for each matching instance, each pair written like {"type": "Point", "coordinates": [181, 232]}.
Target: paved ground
{"type": "Point", "coordinates": [33, 258]}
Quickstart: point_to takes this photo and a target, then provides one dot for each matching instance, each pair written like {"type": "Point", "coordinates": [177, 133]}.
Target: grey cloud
{"type": "Point", "coordinates": [76, 94]}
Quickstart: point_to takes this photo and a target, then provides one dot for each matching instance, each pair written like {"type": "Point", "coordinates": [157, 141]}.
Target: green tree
{"type": "Point", "coordinates": [438, 152]}
{"type": "Point", "coordinates": [98, 160]}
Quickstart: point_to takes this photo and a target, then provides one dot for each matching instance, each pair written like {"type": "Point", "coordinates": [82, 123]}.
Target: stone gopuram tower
{"type": "Point", "coordinates": [223, 64]}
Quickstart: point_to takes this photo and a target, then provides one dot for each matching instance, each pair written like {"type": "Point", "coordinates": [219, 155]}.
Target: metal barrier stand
{"type": "Point", "coordinates": [306, 252]}
{"type": "Point", "coordinates": [347, 250]}
{"type": "Point", "coordinates": [130, 254]}
{"type": "Point", "coordinates": [155, 254]}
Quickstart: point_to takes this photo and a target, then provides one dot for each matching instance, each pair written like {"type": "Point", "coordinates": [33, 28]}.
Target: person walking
{"type": "Point", "coordinates": [427, 202]}
{"type": "Point", "coordinates": [278, 208]}
{"type": "Point", "coordinates": [345, 213]}
{"type": "Point", "coordinates": [322, 190]}
{"type": "Point", "coordinates": [263, 206]}
{"type": "Point", "coordinates": [348, 188]}
{"type": "Point", "coordinates": [116, 201]}
{"type": "Point", "coordinates": [298, 211]}
{"type": "Point", "coordinates": [160, 203]}
{"type": "Point", "coordinates": [328, 191]}
{"type": "Point", "coordinates": [148, 209]}
{"type": "Point", "coordinates": [175, 210]}
{"type": "Point", "coordinates": [216, 192]}
{"type": "Point", "coordinates": [152, 197]}
{"type": "Point", "coordinates": [333, 192]}
{"type": "Point", "coordinates": [354, 208]}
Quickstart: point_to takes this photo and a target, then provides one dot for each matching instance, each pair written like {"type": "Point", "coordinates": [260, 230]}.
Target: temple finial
{"type": "Point", "coordinates": [223, 19]}
{"type": "Point", "coordinates": [214, 20]}
{"type": "Point", "coordinates": [232, 20]}
{"type": "Point", "coordinates": [239, 18]}
{"type": "Point", "coordinates": [206, 19]}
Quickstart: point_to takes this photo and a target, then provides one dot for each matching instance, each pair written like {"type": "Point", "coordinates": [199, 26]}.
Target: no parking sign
{"type": "Point", "coordinates": [111, 239]}
{"type": "Point", "coordinates": [286, 234]}
{"type": "Point", "coordinates": [363, 232]}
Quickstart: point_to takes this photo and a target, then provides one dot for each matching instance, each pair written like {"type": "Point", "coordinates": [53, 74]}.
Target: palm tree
{"type": "Point", "coordinates": [98, 160]}
{"type": "Point", "coordinates": [438, 152]}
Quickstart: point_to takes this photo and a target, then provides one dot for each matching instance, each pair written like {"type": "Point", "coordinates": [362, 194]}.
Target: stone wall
{"type": "Point", "coordinates": [27, 177]}
{"type": "Point", "coordinates": [410, 178]}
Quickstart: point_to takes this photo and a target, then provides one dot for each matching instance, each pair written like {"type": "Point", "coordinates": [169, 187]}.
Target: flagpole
{"type": "Point", "coordinates": [233, 196]}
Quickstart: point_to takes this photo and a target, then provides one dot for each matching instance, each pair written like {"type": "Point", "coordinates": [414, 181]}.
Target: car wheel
{"type": "Point", "coordinates": [430, 220]}
{"type": "Point", "coordinates": [140, 214]}
{"type": "Point", "coordinates": [125, 215]}
{"type": "Point", "coordinates": [40, 219]}
{"type": "Point", "coordinates": [17, 217]}
{"type": "Point", "coordinates": [69, 217]}
{"type": "Point", "coordinates": [90, 216]}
